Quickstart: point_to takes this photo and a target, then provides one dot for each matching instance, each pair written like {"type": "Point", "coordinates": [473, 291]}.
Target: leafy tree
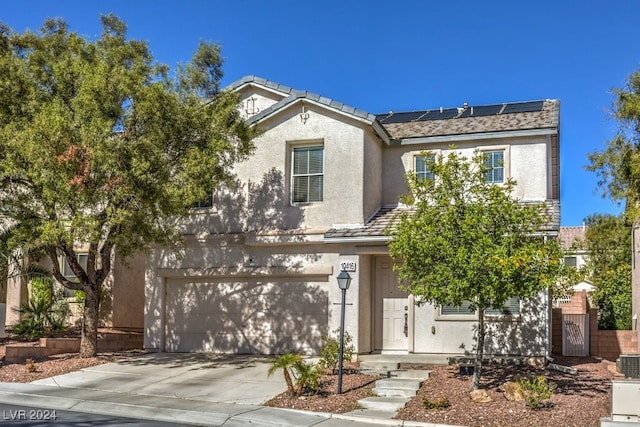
{"type": "Point", "coordinates": [102, 146]}
{"type": "Point", "coordinates": [613, 298]}
{"type": "Point", "coordinates": [19, 261]}
{"type": "Point", "coordinates": [618, 169]}
{"type": "Point", "coordinates": [608, 242]}
{"type": "Point", "coordinates": [618, 165]}
{"type": "Point", "coordinates": [471, 241]}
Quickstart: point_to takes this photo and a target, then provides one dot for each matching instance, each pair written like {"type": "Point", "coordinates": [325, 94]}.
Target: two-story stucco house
{"type": "Point", "coordinates": [258, 272]}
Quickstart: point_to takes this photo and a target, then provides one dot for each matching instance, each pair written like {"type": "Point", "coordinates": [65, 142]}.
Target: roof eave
{"type": "Point", "coordinates": [358, 239]}
{"type": "Point", "coordinates": [476, 136]}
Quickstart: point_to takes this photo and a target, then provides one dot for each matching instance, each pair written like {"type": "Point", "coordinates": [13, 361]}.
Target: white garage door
{"type": "Point", "coordinates": [249, 317]}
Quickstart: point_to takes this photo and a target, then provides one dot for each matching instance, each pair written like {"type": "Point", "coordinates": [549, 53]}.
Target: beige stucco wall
{"type": "Point", "coordinates": [127, 293]}
{"type": "Point", "coordinates": [254, 100]}
{"type": "Point", "coordinates": [311, 268]}
{"type": "Point", "coordinates": [374, 174]}
{"type": "Point", "coordinates": [17, 295]}
{"type": "Point", "coordinates": [261, 198]}
{"type": "Point", "coordinates": [525, 162]}
{"type": "Point", "coordinates": [522, 335]}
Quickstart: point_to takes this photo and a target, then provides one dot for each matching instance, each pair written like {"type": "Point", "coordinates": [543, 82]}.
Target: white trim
{"type": "Point", "coordinates": [318, 104]}
{"type": "Point", "coordinates": [506, 160]}
{"type": "Point", "coordinates": [310, 144]}
{"type": "Point", "coordinates": [216, 273]}
{"type": "Point", "coordinates": [476, 136]}
{"type": "Point", "coordinates": [265, 88]}
{"type": "Point", "coordinates": [363, 239]}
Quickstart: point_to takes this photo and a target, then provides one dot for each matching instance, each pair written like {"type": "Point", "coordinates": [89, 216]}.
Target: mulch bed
{"type": "Point", "coordinates": [579, 400]}
{"type": "Point", "coordinates": [355, 386]}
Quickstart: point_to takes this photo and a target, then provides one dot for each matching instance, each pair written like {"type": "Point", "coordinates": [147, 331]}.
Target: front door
{"type": "Point", "coordinates": [391, 309]}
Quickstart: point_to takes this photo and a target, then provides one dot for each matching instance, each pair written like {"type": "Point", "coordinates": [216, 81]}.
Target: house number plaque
{"type": "Point", "coordinates": [348, 266]}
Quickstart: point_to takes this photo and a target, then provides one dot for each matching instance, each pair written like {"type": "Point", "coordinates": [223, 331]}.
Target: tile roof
{"type": "Point", "coordinates": [512, 116]}
{"type": "Point", "coordinates": [375, 227]}
{"type": "Point", "coordinates": [293, 95]}
{"type": "Point", "coordinates": [471, 119]}
{"type": "Point", "coordinates": [387, 215]}
{"type": "Point", "coordinates": [570, 236]}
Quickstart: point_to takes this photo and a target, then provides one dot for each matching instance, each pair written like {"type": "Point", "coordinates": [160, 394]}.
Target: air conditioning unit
{"type": "Point", "coordinates": [629, 365]}
{"type": "Point", "coordinates": [625, 395]}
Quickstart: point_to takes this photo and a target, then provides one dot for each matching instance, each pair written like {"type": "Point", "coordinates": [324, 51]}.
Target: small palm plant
{"type": "Point", "coordinates": [287, 362]}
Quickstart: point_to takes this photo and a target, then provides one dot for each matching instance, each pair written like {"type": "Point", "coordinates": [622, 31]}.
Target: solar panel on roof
{"type": "Point", "coordinates": [523, 107]}
{"type": "Point", "coordinates": [485, 110]}
{"type": "Point", "coordinates": [400, 117]}
{"type": "Point", "coordinates": [471, 111]}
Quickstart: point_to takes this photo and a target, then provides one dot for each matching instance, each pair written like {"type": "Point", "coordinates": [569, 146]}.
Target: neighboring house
{"type": "Point", "coordinates": [258, 270]}
{"type": "Point", "coordinates": [572, 240]}
{"type": "Point", "coordinates": [122, 304]}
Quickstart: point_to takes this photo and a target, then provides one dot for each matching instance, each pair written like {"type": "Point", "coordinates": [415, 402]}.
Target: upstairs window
{"type": "Point", "coordinates": [308, 174]}
{"type": "Point", "coordinates": [422, 166]}
{"type": "Point", "coordinates": [494, 162]}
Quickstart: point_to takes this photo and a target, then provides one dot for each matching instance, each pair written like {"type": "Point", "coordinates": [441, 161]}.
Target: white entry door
{"type": "Point", "coordinates": [392, 309]}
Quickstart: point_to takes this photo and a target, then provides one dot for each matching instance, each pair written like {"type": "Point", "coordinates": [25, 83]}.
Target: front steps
{"type": "Point", "coordinates": [391, 393]}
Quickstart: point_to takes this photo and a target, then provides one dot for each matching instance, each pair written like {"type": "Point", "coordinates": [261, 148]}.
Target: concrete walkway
{"type": "Point", "coordinates": [200, 389]}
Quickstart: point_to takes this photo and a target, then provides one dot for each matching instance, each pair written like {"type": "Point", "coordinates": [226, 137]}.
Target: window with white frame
{"type": "Point", "coordinates": [494, 162]}
{"type": "Point", "coordinates": [69, 274]}
{"type": "Point", "coordinates": [457, 310]}
{"type": "Point", "coordinates": [205, 203]}
{"type": "Point", "coordinates": [571, 261]}
{"type": "Point", "coordinates": [510, 308]}
{"type": "Point", "coordinates": [307, 174]}
{"type": "Point", "coordinates": [422, 166]}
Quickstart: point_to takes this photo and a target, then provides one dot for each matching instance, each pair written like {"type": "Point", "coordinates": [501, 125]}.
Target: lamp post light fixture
{"type": "Point", "coordinates": [344, 280]}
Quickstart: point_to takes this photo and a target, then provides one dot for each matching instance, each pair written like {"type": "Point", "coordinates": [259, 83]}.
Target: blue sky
{"type": "Point", "coordinates": [404, 55]}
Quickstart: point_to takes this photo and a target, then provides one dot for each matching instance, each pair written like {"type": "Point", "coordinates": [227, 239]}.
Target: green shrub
{"type": "Point", "coordinates": [45, 313]}
{"type": "Point", "coordinates": [536, 390]}
{"type": "Point", "coordinates": [441, 403]}
{"type": "Point", "coordinates": [308, 378]}
{"type": "Point", "coordinates": [330, 351]}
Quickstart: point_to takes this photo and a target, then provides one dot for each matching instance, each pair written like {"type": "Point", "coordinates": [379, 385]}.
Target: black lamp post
{"type": "Point", "coordinates": [344, 280]}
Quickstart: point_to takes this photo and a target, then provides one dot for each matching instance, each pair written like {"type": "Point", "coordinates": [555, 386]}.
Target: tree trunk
{"type": "Point", "coordinates": [89, 340]}
{"type": "Point", "coordinates": [289, 381]}
{"type": "Point", "coordinates": [477, 370]}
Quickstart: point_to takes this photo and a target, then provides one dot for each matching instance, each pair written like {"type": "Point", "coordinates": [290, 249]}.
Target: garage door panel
{"type": "Point", "coordinates": [245, 317]}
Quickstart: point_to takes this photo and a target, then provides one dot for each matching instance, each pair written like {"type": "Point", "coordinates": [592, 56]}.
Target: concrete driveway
{"type": "Point", "coordinates": [197, 376]}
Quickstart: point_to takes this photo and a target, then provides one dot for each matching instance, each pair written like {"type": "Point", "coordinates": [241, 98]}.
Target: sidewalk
{"type": "Point", "coordinates": [183, 411]}
{"type": "Point", "coordinates": [182, 388]}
